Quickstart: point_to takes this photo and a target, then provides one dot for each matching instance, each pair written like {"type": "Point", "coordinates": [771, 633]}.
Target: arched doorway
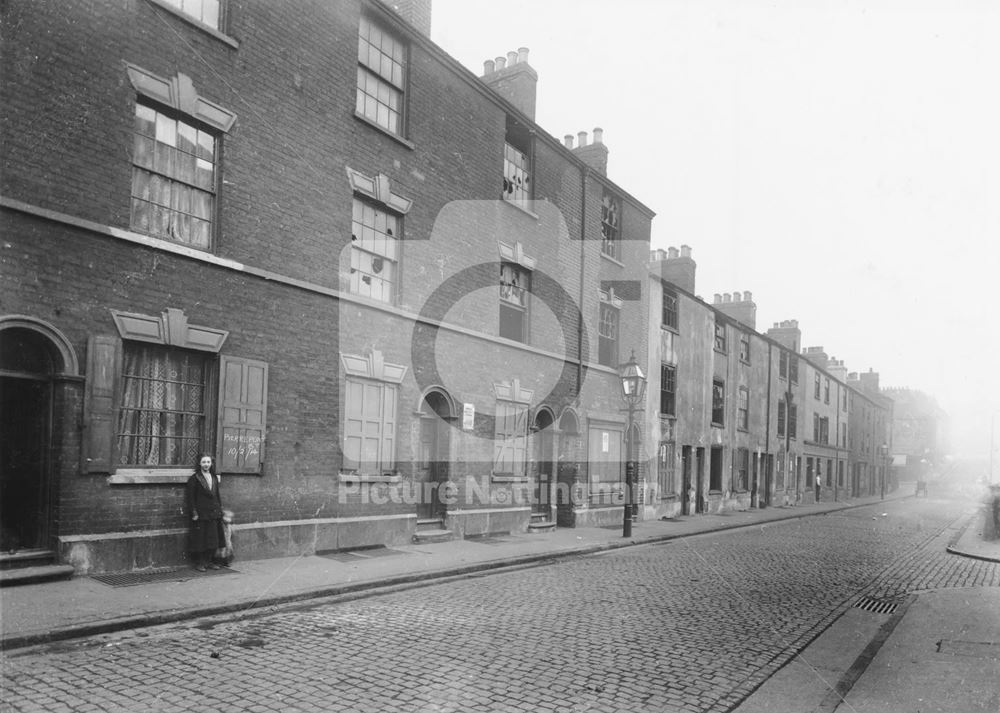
{"type": "Point", "coordinates": [29, 361]}
{"type": "Point", "coordinates": [568, 471]}
{"type": "Point", "coordinates": [541, 500]}
{"type": "Point", "coordinates": [434, 456]}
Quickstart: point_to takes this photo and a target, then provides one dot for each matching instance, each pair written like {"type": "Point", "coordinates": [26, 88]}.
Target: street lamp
{"type": "Point", "coordinates": [633, 389]}
{"type": "Point", "coordinates": [884, 452]}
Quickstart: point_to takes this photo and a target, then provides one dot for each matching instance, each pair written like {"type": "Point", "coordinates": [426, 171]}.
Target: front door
{"type": "Point", "coordinates": [699, 497]}
{"type": "Point", "coordinates": [25, 415]}
{"type": "Point", "coordinates": [540, 503]}
{"type": "Point", "coordinates": [432, 469]}
{"type": "Point", "coordinates": [686, 480]}
{"type": "Point", "coordinates": [768, 479]}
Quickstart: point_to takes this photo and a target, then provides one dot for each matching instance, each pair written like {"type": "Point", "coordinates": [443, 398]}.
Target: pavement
{"type": "Point", "coordinates": [84, 606]}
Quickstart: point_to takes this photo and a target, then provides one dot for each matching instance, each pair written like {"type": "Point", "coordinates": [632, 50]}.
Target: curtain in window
{"type": "Point", "coordinates": [162, 413]}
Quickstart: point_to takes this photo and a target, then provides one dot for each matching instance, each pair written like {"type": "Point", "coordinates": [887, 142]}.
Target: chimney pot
{"type": "Point", "coordinates": [522, 54]}
{"type": "Point", "coordinates": [672, 253]}
{"type": "Point", "coordinates": [685, 251]}
{"type": "Point", "coordinates": [717, 299]}
{"type": "Point", "coordinates": [736, 296]}
{"type": "Point", "coordinates": [582, 139]}
{"type": "Point", "coordinates": [501, 62]}
{"type": "Point", "coordinates": [726, 297]}
{"type": "Point", "coordinates": [489, 67]}
{"type": "Point", "coordinates": [747, 296]}
{"type": "Point", "coordinates": [568, 141]}
{"type": "Point", "coordinates": [511, 58]}
{"type": "Point", "coordinates": [598, 135]}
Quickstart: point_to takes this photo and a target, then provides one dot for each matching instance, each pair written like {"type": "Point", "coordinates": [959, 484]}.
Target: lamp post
{"type": "Point", "coordinates": [633, 383]}
{"type": "Point", "coordinates": [884, 452]}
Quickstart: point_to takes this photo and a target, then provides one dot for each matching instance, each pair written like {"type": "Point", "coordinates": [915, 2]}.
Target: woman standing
{"type": "Point", "coordinates": [204, 506]}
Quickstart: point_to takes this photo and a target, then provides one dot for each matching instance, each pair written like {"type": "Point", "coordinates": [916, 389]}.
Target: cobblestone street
{"type": "Point", "coordinates": [691, 625]}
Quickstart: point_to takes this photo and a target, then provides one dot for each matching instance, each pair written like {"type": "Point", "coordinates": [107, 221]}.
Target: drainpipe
{"type": "Point", "coordinates": [767, 432]}
{"type": "Point", "coordinates": [583, 253]}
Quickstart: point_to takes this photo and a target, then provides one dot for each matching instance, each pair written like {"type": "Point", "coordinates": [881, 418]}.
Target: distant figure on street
{"type": "Point", "coordinates": [204, 506]}
{"type": "Point", "coordinates": [819, 484]}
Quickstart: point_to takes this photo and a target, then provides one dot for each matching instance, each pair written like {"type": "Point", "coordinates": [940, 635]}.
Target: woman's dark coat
{"type": "Point", "coordinates": [206, 532]}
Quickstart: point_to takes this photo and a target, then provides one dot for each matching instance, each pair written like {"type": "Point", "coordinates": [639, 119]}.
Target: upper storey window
{"type": "Point", "coordinates": [515, 284]}
{"type": "Point", "coordinates": [173, 178]}
{"type": "Point", "coordinates": [517, 183]}
{"type": "Point", "coordinates": [207, 12]}
{"type": "Point", "coordinates": [610, 229]}
{"type": "Point", "coordinates": [516, 175]}
{"type": "Point", "coordinates": [381, 72]}
{"type": "Point", "coordinates": [375, 237]}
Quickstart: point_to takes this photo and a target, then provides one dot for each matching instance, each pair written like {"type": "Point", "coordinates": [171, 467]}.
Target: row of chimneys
{"type": "Point", "coordinates": [735, 297]}
{"type": "Point", "coordinates": [514, 79]}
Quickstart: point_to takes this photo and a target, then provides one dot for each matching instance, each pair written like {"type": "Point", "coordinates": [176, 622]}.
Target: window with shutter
{"type": "Point", "coordinates": [242, 414]}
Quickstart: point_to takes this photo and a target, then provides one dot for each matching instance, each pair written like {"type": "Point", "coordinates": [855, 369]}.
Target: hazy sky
{"type": "Point", "coordinates": [838, 159]}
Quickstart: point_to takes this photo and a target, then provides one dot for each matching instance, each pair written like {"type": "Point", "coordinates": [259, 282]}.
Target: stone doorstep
{"type": "Point", "coordinates": [439, 535]}
{"type": "Point", "coordinates": [35, 575]}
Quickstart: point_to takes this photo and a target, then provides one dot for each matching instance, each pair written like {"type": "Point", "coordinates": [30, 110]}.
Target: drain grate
{"type": "Point", "coordinates": [879, 606]}
{"type": "Point", "coordinates": [150, 576]}
{"type": "Point", "coordinates": [497, 539]}
{"type": "Point", "coordinates": [360, 555]}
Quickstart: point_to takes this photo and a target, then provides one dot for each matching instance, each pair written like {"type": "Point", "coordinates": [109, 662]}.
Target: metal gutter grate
{"type": "Point", "coordinates": [879, 606]}
{"type": "Point", "coordinates": [359, 555]}
{"type": "Point", "coordinates": [150, 576]}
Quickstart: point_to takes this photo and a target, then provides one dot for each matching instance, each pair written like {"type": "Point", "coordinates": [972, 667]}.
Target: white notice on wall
{"type": "Point", "coordinates": [468, 416]}
{"type": "Point", "coordinates": [605, 441]}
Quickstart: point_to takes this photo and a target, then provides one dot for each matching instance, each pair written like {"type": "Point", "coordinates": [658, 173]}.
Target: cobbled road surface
{"type": "Point", "coordinates": [690, 625]}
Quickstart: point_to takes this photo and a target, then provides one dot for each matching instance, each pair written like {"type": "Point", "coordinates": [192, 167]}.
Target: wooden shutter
{"type": "Point", "coordinates": [242, 414]}
{"type": "Point", "coordinates": [103, 359]}
{"type": "Point", "coordinates": [387, 452]}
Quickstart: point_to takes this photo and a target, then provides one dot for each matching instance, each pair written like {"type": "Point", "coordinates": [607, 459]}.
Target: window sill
{"type": "Point", "coordinates": [519, 207]}
{"type": "Point", "coordinates": [382, 130]}
{"type": "Point", "coordinates": [208, 29]}
{"type": "Point", "coordinates": [668, 328]}
{"type": "Point", "coordinates": [500, 478]}
{"type": "Point", "coordinates": [609, 258]}
{"type": "Point", "coordinates": [145, 476]}
{"type": "Point", "coordinates": [744, 361]}
{"type": "Point", "coordinates": [368, 478]}
{"type": "Point", "coordinates": [670, 416]}
{"type": "Point", "coordinates": [716, 424]}
{"type": "Point", "coordinates": [721, 351]}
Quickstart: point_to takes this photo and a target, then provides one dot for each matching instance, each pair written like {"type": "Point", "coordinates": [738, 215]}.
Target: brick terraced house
{"type": "Point", "coordinates": [303, 238]}
{"type": "Point", "coordinates": [738, 419]}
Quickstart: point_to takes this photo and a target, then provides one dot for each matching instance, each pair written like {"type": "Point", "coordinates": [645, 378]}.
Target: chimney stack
{"type": "Point", "coordinates": [740, 306]}
{"type": "Point", "coordinates": [816, 355]}
{"type": "Point", "coordinates": [416, 12]}
{"type": "Point", "coordinates": [595, 154]}
{"type": "Point", "coordinates": [514, 79]}
{"type": "Point", "coordinates": [787, 334]}
{"type": "Point", "coordinates": [869, 381]}
{"type": "Point", "coordinates": [678, 270]}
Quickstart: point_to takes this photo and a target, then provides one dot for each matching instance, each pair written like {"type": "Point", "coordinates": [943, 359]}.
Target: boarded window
{"type": "Point", "coordinates": [606, 461]}
{"type": "Point", "coordinates": [510, 442]}
{"type": "Point", "coordinates": [370, 427]}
